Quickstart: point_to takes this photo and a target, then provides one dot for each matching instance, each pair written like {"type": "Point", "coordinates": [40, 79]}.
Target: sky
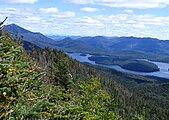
{"type": "Point", "coordinates": [139, 18]}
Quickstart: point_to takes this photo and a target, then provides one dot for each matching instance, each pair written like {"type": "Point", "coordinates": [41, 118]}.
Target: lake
{"type": "Point", "coordinates": [163, 72]}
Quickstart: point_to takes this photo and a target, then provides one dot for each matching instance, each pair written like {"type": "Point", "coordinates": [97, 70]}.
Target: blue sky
{"type": "Point", "coordinates": [140, 18]}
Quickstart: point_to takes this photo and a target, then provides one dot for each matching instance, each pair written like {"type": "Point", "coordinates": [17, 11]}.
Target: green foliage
{"type": "Point", "coordinates": [60, 89]}
{"type": "Point", "coordinates": [87, 99]}
{"type": "Point", "coordinates": [79, 96]}
{"type": "Point", "coordinates": [91, 94]}
{"type": "Point", "coordinates": [145, 97]}
{"type": "Point", "coordinates": [60, 73]}
{"type": "Point", "coordinates": [18, 77]}
{"type": "Point", "coordinates": [28, 93]}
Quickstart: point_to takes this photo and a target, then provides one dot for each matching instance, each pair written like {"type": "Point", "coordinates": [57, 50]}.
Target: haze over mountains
{"type": "Point", "coordinates": [97, 44]}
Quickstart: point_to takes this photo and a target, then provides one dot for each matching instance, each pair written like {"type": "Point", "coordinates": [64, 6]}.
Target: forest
{"type": "Point", "coordinates": [47, 84]}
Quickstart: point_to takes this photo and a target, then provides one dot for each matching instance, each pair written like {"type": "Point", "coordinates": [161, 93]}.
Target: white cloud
{"type": "Point", "coordinates": [67, 14]}
{"type": "Point", "coordinates": [19, 1]}
{"type": "Point", "coordinates": [33, 19]}
{"type": "Point", "coordinates": [88, 21]}
{"type": "Point", "coordinates": [128, 11]}
{"type": "Point", "coordinates": [49, 10]}
{"type": "Point", "coordinates": [89, 9]}
{"type": "Point", "coordinates": [139, 4]}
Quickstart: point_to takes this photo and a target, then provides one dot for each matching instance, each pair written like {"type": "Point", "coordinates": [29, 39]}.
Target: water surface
{"type": "Point", "coordinates": [163, 72]}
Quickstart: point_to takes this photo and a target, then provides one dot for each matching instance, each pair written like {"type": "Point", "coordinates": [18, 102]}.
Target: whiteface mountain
{"type": "Point", "coordinates": [28, 36]}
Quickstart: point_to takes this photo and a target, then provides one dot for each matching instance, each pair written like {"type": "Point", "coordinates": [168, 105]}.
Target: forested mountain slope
{"type": "Point", "coordinates": [47, 84]}
{"type": "Point", "coordinates": [50, 86]}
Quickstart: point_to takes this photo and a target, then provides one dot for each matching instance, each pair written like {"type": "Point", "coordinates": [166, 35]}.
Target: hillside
{"type": "Point", "coordinates": [47, 84]}
{"type": "Point", "coordinates": [43, 88]}
{"type": "Point", "coordinates": [146, 95]}
{"type": "Point", "coordinates": [70, 45]}
{"type": "Point", "coordinates": [29, 46]}
{"type": "Point", "coordinates": [151, 45]}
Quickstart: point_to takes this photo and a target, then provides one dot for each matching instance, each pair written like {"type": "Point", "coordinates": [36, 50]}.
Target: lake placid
{"type": "Point", "coordinates": [163, 72]}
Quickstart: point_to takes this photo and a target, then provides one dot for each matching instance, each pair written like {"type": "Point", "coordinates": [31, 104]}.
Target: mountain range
{"type": "Point", "coordinates": [94, 45]}
{"type": "Point", "coordinates": [151, 45]}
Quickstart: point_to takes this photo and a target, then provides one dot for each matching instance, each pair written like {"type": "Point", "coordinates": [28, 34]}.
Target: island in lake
{"type": "Point", "coordinates": [140, 66]}
{"type": "Point", "coordinates": [134, 65]}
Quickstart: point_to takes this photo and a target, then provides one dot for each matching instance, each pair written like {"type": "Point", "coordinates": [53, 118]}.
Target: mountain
{"type": "Point", "coordinates": [138, 44]}
{"type": "Point", "coordinates": [128, 43]}
{"type": "Point", "coordinates": [71, 45]}
{"type": "Point", "coordinates": [112, 44]}
{"type": "Point", "coordinates": [32, 37]}
{"type": "Point", "coordinates": [97, 41]}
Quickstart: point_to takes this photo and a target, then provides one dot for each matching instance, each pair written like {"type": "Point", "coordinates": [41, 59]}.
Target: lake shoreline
{"type": "Point", "coordinates": [162, 73]}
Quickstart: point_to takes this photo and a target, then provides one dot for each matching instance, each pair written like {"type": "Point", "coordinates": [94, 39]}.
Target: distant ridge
{"type": "Point", "coordinates": [94, 45]}
{"type": "Point", "coordinates": [59, 37]}
{"type": "Point", "coordinates": [70, 45]}
{"type": "Point", "coordinates": [114, 45]}
{"type": "Point", "coordinates": [32, 37]}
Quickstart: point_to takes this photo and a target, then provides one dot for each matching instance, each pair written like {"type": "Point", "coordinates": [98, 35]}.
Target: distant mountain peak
{"type": "Point", "coordinates": [33, 37]}
{"type": "Point", "coordinates": [16, 28]}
